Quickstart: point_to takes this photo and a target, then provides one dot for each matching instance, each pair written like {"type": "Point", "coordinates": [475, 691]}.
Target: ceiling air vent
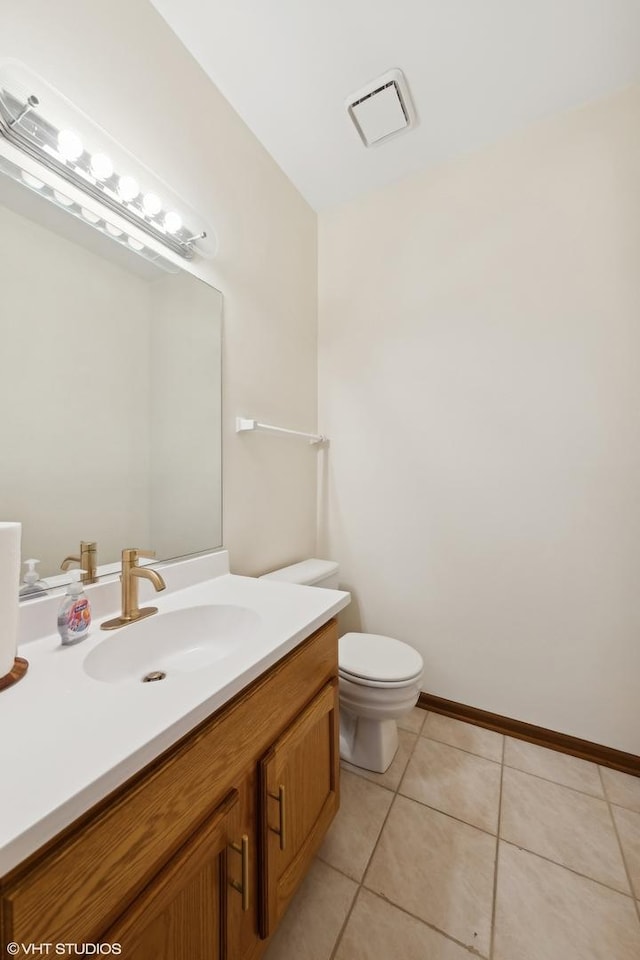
{"type": "Point", "coordinates": [382, 109]}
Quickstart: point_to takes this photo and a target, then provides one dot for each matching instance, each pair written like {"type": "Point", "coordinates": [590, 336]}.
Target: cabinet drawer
{"type": "Point", "coordinates": [81, 885]}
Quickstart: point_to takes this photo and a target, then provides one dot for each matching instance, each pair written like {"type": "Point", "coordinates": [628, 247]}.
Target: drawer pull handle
{"type": "Point", "coordinates": [243, 849]}
{"type": "Point", "coordinates": [282, 831]}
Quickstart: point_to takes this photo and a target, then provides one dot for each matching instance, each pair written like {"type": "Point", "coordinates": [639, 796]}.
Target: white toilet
{"type": "Point", "coordinates": [380, 679]}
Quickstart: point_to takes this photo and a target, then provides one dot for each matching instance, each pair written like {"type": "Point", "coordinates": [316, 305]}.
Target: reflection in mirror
{"type": "Point", "coordinates": [109, 391]}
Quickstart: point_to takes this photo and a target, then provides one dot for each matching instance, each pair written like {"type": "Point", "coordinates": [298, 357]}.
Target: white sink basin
{"type": "Point", "coordinates": [179, 641]}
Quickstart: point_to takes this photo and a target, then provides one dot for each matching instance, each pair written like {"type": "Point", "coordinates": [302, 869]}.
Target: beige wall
{"type": "Point", "coordinates": [479, 343]}
{"type": "Point", "coordinates": [121, 64]}
{"type": "Point", "coordinates": [184, 452]}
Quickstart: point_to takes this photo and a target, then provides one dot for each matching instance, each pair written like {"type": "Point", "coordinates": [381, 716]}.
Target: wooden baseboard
{"type": "Point", "coordinates": [585, 749]}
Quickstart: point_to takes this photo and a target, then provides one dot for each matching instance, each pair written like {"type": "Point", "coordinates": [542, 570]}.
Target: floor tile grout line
{"type": "Point", "coordinates": [351, 769]}
{"type": "Point", "coordinates": [339, 870]}
{"type": "Point", "coordinates": [621, 806]}
{"type": "Point", "coordinates": [384, 823]}
{"type": "Point", "coordinates": [498, 837]}
{"type": "Point", "coordinates": [411, 730]}
{"type": "Point", "coordinates": [376, 893]}
{"type": "Point", "coordinates": [375, 846]}
{"type": "Point", "coordinates": [594, 796]}
{"type": "Point", "coordinates": [444, 813]}
{"type": "Point", "coordinates": [518, 739]}
{"type": "Point", "coordinates": [454, 746]}
{"type": "Point", "coordinates": [360, 883]}
{"type": "Point", "coordinates": [563, 866]}
{"type": "Point", "coordinates": [406, 766]}
{"type": "Point", "coordinates": [436, 809]}
{"type": "Point", "coordinates": [472, 951]}
{"type": "Point", "coordinates": [555, 783]}
{"type": "Point", "coordinates": [362, 773]}
{"type": "Point", "coordinates": [336, 945]}
{"type": "Point", "coordinates": [511, 766]}
{"type": "Point", "coordinates": [397, 792]}
{"type": "Point", "coordinates": [495, 869]}
{"type": "Point", "coordinates": [563, 753]}
{"type": "Point", "coordinates": [620, 846]}
{"type": "Point", "coordinates": [422, 722]}
{"type": "Point", "coordinates": [511, 843]}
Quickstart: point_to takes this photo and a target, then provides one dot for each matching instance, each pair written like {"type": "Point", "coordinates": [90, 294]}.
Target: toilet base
{"type": "Point", "coordinates": [367, 743]}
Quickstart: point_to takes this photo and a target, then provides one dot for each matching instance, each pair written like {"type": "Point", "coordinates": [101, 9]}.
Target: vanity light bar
{"type": "Point", "coordinates": [81, 212]}
{"type": "Point", "coordinates": [27, 124]}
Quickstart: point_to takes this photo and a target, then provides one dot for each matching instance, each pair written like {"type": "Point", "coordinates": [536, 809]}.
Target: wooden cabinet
{"type": "Point", "coordinates": [299, 794]}
{"type": "Point", "coordinates": [182, 914]}
{"type": "Point", "coordinates": [243, 903]}
{"type": "Point", "coordinates": [197, 857]}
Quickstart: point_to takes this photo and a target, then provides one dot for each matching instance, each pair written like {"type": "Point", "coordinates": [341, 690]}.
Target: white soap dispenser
{"type": "Point", "coordinates": [74, 616]}
{"type": "Point", "coordinates": [32, 585]}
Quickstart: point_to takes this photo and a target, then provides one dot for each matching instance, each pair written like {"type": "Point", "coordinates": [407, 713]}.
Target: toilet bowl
{"type": "Point", "coordinates": [379, 679]}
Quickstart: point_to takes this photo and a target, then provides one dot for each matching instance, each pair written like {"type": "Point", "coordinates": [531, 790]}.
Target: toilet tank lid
{"type": "Point", "coordinates": [307, 572]}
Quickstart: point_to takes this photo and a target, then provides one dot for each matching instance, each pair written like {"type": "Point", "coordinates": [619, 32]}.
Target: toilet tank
{"type": "Point", "coordinates": [310, 573]}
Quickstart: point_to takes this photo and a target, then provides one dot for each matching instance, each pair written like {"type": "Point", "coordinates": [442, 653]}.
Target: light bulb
{"type": "Point", "coordinates": [135, 244]}
{"type": "Point", "coordinates": [70, 145]}
{"type": "Point", "coordinates": [172, 222]}
{"type": "Point", "coordinates": [128, 188]}
{"type": "Point", "coordinates": [62, 199]}
{"type": "Point", "coordinates": [152, 204]}
{"type": "Point", "coordinates": [113, 230]}
{"type": "Point", "coordinates": [101, 166]}
{"type": "Point", "coordinates": [89, 215]}
{"type": "Point", "coordinates": [32, 181]}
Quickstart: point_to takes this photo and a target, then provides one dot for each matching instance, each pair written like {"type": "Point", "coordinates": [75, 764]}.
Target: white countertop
{"type": "Point", "coordinates": [67, 740]}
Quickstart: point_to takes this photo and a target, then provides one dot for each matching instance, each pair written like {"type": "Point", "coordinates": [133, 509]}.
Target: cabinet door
{"type": "Point", "coordinates": [299, 796]}
{"type": "Point", "coordinates": [243, 937]}
{"type": "Point", "coordinates": [182, 913]}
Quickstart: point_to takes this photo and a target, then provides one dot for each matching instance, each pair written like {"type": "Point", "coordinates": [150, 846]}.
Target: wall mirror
{"type": "Point", "coordinates": [110, 393]}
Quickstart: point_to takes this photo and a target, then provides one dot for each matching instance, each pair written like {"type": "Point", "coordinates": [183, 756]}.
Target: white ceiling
{"type": "Point", "coordinates": [477, 70]}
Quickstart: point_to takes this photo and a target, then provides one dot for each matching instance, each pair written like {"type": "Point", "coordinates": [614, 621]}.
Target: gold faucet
{"type": "Point", "coordinates": [129, 577]}
{"type": "Point", "coordinates": [88, 561]}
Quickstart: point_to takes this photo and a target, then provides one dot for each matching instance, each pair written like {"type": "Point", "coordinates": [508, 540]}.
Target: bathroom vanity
{"type": "Point", "coordinates": [198, 853]}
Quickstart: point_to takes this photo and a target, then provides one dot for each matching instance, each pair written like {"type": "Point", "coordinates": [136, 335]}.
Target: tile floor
{"type": "Point", "coordinates": [473, 845]}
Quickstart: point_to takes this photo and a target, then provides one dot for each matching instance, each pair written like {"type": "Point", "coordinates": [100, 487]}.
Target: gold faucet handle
{"type": "Point", "coordinates": [86, 560]}
{"type": "Point", "coordinates": [131, 555]}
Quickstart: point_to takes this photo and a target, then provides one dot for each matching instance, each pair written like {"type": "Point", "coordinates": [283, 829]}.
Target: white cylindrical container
{"type": "Point", "coordinates": [9, 585]}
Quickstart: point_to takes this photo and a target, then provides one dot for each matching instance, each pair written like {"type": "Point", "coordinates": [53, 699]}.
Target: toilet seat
{"type": "Point", "coordinates": [378, 661]}
{"type": "Point", "coordinates": [379, 684]}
